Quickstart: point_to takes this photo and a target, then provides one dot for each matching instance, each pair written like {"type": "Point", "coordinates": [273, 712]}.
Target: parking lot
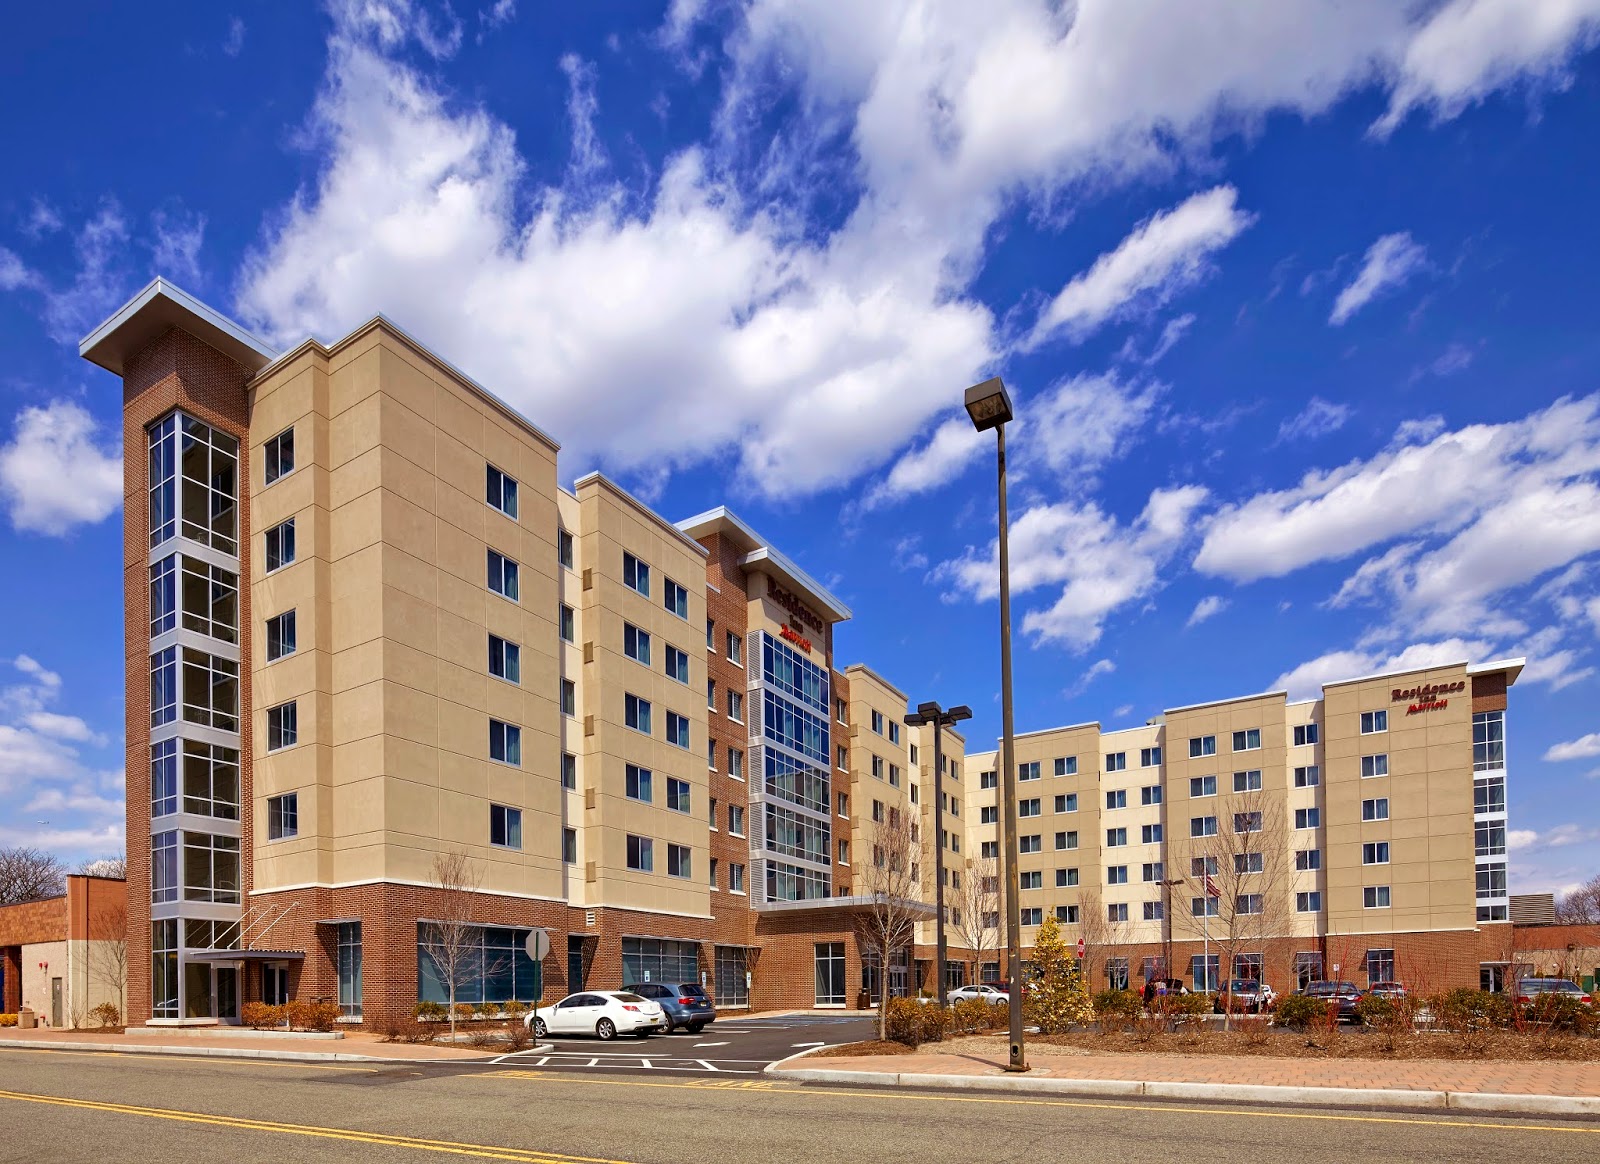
{"type": "Point", "coordinates": [729, 1046]}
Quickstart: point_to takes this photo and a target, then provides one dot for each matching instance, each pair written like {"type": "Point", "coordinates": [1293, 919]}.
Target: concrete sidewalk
{"type": "Point", "coordinates": [356, 1046]}
{"type": "Point", "coordinates": [1551, 1088]}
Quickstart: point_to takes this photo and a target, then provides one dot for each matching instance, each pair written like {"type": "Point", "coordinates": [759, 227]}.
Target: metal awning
{"type": "Point", "coordinates": [246, 955]}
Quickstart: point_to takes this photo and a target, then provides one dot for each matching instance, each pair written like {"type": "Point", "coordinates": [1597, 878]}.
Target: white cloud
{"type": "Point", "coordinates": [1469, 48]}
{"type": "Point", "coordinates": [1164, 255]}
{"type": "Point", "coordinates": [1306, 680]}
{"type": "Point", "coordinates": [582, 105]}
{"type": "Point", "coordinates": [1390, 262]}
{"type": "Point", "coordinates": [42, 220]}
{"type": "Point", "coordinates": [13, 273]}
{"type": "Point", "coordinates": [1101, 564]}
{"type": "Point", "coordinates": [1208, 607]}
{"type": "Point", "coordinates": [954, 445]}
{"type": "Point", "coordinates": [1318, 418]}
{"type": "Point", "coordinates": [1455, 358]}
{"type": "Point", "coordinates": [908, 553]}
{"type": "Point", "coordinates": [98, 285]}
{"type": "Point", "coordinates": [1582, 748]}
{"type": "Point", "coordinates": [178, 238]}
{"type": "Point", "coordinates": [501, 13]}
{"type": "Point", "coordinates": [63, 727]}
{"type": "Point", "coordinates": [233, 44]}
{"type": "Point", "coordinates": [59, 443]}
{"type": "Point", "coordinates": [1521, 838]}
{"type": "Point", "coordinates": [1096, 669]}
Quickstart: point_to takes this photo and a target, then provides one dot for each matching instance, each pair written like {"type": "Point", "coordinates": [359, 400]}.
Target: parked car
{"type": "Point", "coordinates": [1248, 996]}
{"type": "Point", "coordinates": [1152, 988]}
{"type": "Point", "coordinates": [683, 1004]}
{"type": "Point", "coordinates": [1343, 993]}
{"type": "Point", "coordinates": [1388, 989]}
{"type": "Point", "coordinates": [1530, 989]}
{"type": "Point", "coordinates": [983, 991]}
{"type": "Point", "coordinates": [606, 1013]}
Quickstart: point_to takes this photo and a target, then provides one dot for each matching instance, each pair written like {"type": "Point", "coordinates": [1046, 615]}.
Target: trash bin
{"type": "Point", "coordinates": [863, 1001]}
{"type": "Point", "coordinates": [26, 1020]}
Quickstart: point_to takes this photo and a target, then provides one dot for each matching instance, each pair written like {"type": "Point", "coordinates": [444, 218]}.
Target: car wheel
{"type": "Point", "coordinates": [539, 1029]}
{"type": "Point", "coordinates": [667, 1026]}
{"type": "Point", "coordinates": [696, 1028]}
{"type": "Point", "coordinates": [606, 1029]}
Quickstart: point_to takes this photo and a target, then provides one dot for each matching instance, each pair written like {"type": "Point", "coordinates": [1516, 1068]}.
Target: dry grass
{"type": "Point", "coordinates": [870, 1047]}
{"type": "Point", "coordinates": [1507, 1046]}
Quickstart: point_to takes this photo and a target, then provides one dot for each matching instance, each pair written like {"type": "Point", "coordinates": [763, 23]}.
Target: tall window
{"type": "Point", "coordinates": [564, 548]}
{"type": "Point", "coordinates": [283, 816]}
{"type": "Point", "coordinates": [278, 456]}
{"type": "Point", "coordinates": [164, 867]}
{"type": "Point", "coordinates": [502, 575]}
{"type": "Point", "coordinates": [568, 625]}
{"type": "Point", "coordinates": [163, 484]}
{"type": "Point", "coordinates": [569, 770]}
{"type": "Point", "coordinates": [505, 826]}
{"type": "Point", "coordinates": [636, 643]}
{"type": "Point", "coordinates": [505, 660]}
{"type": "Point", "coordinates": [164, 778]}
{"type": "Point", "coordinates": [1488, 740]}
{"type": "Point", "coordinates": [164, 595]}
{"type": "Point", "coordinates": [501, 491]}
{"type": "Point", "coordinates": [194, 488]}
{"type": "Point", "coordinates": [283, 726]}
{"type": "Point", "coordinates": [164, 968]}
{"type": "Point", "coordinates": [210, 780]}
{"type": "Point", "coordinates": [830, 974]}
{"type": "Point", "coordinates": [210, 868]}
{"type": "Point", "coordinates": [638, 783]}
{"type": "Point", "coordinates": [280, 635]}
{"type": "Point", "coordinates": [677, 664]}
{"type": "Point", "coordinates": [163, 686]}
{"type": "Point", "coordinates": [736, 651]}
{"type": "Point", "coordinates": [1374, 721]}
{"type": "Point", "coordinates": [1380, 966]}
{"type": "Point", "coordinates": [210, 600]}
{"type": "Point", "coordinates": [569, 697]}
{"type": "Point", "coordinates": [641, 854]}
{"type": "Point", "coordinates": [636, 713]}
{"type": "Point", "coordinates": [675, 598]}
{"type": "Point", "coordinates": [679, 861]}
{"type": "Point", "coordinates": [280, 545]}
{"type": "Point", "coordinates": [210, 690]}
{"type": "Point", "coordinates": [349, 958]}
{"type": "Point", "coordinates": [635, 574]}
{"type": "Point", "coordinates": [505, 743]}
{"type": "Point", "coordinates": [678, 795]}
{"type": "Point", "coordinates": [677, 729]}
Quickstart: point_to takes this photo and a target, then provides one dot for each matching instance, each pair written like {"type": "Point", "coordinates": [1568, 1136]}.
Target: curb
{"type": "Point", "coordinates": [225, 1052]}
{"type": "Point", "coordinates": [1571, 1105]}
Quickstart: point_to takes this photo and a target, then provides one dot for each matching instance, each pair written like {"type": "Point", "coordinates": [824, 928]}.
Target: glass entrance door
{"type": "Point", "coordinates": [227, 994]}
{"type": "Point", "coordinates": [274, 984]}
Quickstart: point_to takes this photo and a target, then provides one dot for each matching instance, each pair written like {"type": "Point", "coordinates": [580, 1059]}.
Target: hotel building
{"type": "Point", "coordinates": [1359, 836]}
{"type": "Point", "coordinates": [367, 627]}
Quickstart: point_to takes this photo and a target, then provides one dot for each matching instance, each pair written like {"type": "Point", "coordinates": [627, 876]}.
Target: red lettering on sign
{"type": "Point", "coordinates": [795, 637]}
{"type": "Point", "coordinates": [1431, 705]}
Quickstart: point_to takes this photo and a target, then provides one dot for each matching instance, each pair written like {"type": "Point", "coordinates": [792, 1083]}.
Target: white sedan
{"type": "Point", "coordinates": [982, 991]}
{"type": "Point", "coordinates": [606, 1013]}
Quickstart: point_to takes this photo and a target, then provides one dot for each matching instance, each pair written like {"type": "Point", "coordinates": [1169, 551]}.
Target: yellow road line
{"type": "Point", "coordinates": [795, 1088]}
{"type": "Point", "coordinates": [449, 1147]}
{"type": "Point", "coordinates": [209, 1060]}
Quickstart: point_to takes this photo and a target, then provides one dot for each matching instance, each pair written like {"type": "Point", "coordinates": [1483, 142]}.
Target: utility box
{"type": "Point", "coordinates": [26, 1020]}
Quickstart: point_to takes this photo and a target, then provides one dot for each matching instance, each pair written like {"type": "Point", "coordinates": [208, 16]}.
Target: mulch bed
{"type": "Point", "coordinates": [870, 1047]}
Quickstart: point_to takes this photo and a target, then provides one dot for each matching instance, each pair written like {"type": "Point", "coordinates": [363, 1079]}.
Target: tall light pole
{"type": "Point", "coordinates": [989, 407]}
{"type": "Point", "coordinates": [927, 713]}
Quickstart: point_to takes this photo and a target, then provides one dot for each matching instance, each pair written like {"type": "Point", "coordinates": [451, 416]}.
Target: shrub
{"type": "Point", "coordinates": [974, 1014]}
{"type": "Point", "coordinates": [1116, 1009]}
{"type": "Point", "coordinates": [430, 1011]}
{"type": "Point", "coordinates": [298, 1014]}
{"type": "Point", "coordinates": [320, 1016]}
{"type": "Point", "coordinates": [914, 1023]}
{"type": "Point", "coordinates": [518, 1036]}
{"type": "Point", "coordinates": [1375, 1009]}
{"type": "Point", "coordinates": [1058, 997]}
{"type": "Point", "coordinates": [464, 1011]}
{"type": "Point", "coordinates": [261, 1015]}
{"type": "Point", "coordinates": [107, 1015]}
{"type": "Point", "coordinates": [483, 1037]}
{"type": "Point", "coordinates": [1471, 1011]}
{"type": "Point", "coordinates": [1561, 1012]}
{"type": "Point", "coordinates": [516, 1010]}
{"type": "Point", "coordinates": [1297, 1012]}
{"type": "Point", "coordinates": [1186, 1007]}
{"type": "Point", "coordinates": [486, 1009]}
{"type": "Point", "coordinates": [8, 1020]}
{"type": "Point", "coordinates": [408, 1031]}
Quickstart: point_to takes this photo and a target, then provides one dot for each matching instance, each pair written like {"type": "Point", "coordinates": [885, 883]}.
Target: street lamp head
{"type": "Point", "coordinates": [928, 711]}
{"type": "Point", "coordinates": [988, 404]}
{"type": "Point", "coordinates": [958, 713]}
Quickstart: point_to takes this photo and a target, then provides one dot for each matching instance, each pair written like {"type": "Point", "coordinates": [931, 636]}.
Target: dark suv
{"type": "Point", "coordinates": [1344, 994]}
{"type": "Point", "coordinates": [683, 1004]}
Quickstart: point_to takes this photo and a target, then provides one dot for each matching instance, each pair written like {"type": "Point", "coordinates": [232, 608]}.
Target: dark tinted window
{"type": "Point", "coordinates": [624, 996]}
{"type": "Point", "coordinates": [691, 990]}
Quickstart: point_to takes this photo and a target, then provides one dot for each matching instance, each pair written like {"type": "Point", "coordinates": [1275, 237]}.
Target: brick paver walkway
{"type": "Point", "coordinates": [354, 1043]}
{"type": "Point", "coordinates": [1504, 1078]}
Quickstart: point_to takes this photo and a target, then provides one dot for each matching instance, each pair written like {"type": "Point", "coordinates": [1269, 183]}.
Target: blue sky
{"type": "Point", "coordinates": [1296, 303]}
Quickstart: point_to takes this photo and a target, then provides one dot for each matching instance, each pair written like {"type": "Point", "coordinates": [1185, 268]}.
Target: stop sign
{"type": "Point", "coordinates": [1080, 947]}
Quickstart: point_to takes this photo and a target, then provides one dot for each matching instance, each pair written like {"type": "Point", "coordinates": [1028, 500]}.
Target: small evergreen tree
{"type": "Point", "coordinates": [1058, 996]}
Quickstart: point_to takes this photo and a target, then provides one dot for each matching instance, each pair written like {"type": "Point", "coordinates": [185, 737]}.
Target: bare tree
{"type": "Point", "coordinates": [115, 868]}
{"type": "Point", "coordinates": [28, 874]}
{"type": "Point", "coordinates": [1102, 936]}
{"type": "Point", "coordinates": [108, 951]}
{"type": "Point", "coordinates": [452, 938]}
{"type": "Point", "coordinates": [1580, 906]}
{"type": "Point", "coordinates": [1239, 881]}
{"type": "Point", "coordinates": [977, 920]}
{"type": "Point", "coordinates": [890, 878]}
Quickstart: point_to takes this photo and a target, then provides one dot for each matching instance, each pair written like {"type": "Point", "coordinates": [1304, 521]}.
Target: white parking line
{"type": "Point", "coordinates": [711, 1044]}
{"type": "Point", "coordinates": [708, 1066]}
{"type": "Point", "coordinates": [807, 1044]}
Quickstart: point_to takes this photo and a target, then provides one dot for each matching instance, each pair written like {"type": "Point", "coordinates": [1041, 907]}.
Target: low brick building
{"type": "Point", "coordinates": [63, 956]}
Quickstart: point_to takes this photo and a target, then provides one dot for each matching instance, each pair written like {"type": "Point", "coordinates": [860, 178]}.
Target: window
{"type": "Point", "coordinates": [1117, 798]}
{"type": "Point", "coordinates": [567, 624]}
{"type": "Point", "coordinates": [1307, 818]}
{"type": "Point", "coordinates": [844, 852]}
{"type": "Point", "coordinates": [1066, 878]}
{"type": "Point", "coordinates": [1375, 897]}
{"type": "Point", "coordinates": [1029, 843]}
{"type": "Point", "coordinates": [1116, 761]}
{"type": "Point", "coordinates": [1374, 721]}
{"type": "Point", "coordinates": [736, 707]}
{"type": "Point", "coordinates": [1203, 866]}
{"type": "Point", "coordinates": [1375, 853]}
{"type": "Point", "coordinates": [1380, 966]}
{"type": "Point", "coordinates": [282, 726]}
{"type": "Point", "coordinates": [503, 575]}
{"type": "Point", "coordinates": [1033, 916]}
{"type": "Point", "coordinates": [1304, 733]}
{"type": "Point", "coordinates": [280, 635]}
{"type": "Point", "coordinates": [678, 861]}
{"type": "Point", "coordinates": [1064, 913]}
{"type": "Point", "coordinates": [163, 595]}
{"type": "Point", "coordinates": [505, 826]}
{"type": "Point", "coordinates": [569, 697]}
{"type": "Point", "coordinates": [678, 795]}
{"type": "Point", "coordinates": [638, 783]}
{"type": "Point", "coordinates": [636, 713]}
{"type": "Point", "coordinates": [1153, 911]}
{"type": "Point", "coordinates": [1488, 740]}
{"type": "Point", "coordinates": [1247, 781]}
{"type": "Point", "coordinates": [1031, 879]}
{"type": "Point", "coordinates": [1150, 794]}
{"type": "Point", "coordinates": [1202, 746]}
{"type": "Point", "coordinates": [1202, 826]}
{"type": "Point", "coordinates": [278, 456]}
{"type": "Point", "coordinates": [1028, 807]}
{"type": "Point", "coordinates": [635, 574]}
{"type": "Point", "coordinates": [1067, 766]}
{"type": "Point", "coordinates": [1202, 786]}
{"type": "Point", "coordinates": [1305, 860]}
{"type": "Point", "coordinates": [210, 687]}
{"type": "Point", "coordinates": [711, 754]}
{"type": "Point", "coordinates": [1150, 834]}
{"type": "Point", "coordinates": [675, 598]}
{"type": "Point", "coordinates": [1490, 838]}
{"type": "Point", "coordinates": [877, 811]}
{"type": "Point", "coordinates": [1067, 840]}
{"type": "Point", "coordinates": [1149, 757]}
{"type": "Point", "coordinates": [736, 820]}
{"type": "Point", "coordinates": [1489, 794]}
{"type": "Point", "coordinates": [1116, 838]}
{"type": "Point", "coordinates": [1245, 863]}
{"type": "Point", "coordinates": [1492, 880]}
{"type": "Point", "coordinates": [164, 778]}
{"type": "Point", "coordinates": [894, 732]}
{"type": "Point", "coordinates": [1152, 871]}
{"type": "Point", "coordinates": [840, 711]}
{"type": "Point", "coordinates": [1249, 903]}
{"type": "Point", "coordinates": [1308, 902]}
{"type": "Point", "coordinates": [501, 492]}
{"type": "Point", "coordinates": [164, 867]}
{"type": "Point", "coordinates": [894, 776]}
{"type": "Point", "coordinates": [283, 816]}
{"type": "Point", "coordinates": [280, 545]}
{"type": "Point", "coordinates": [1029, 771]}
{"type": "Point", "coordinates": [711, 635]}
{"type": "Point", "coordinates": [1116, 874]}
{"type": "Point", "coordinates": [636, 643]}
{"type": "Point", "coordinates": [1204, 906]}
{"type": "Point", "coordinates": [1247, 822]}
{"type": "Point", "coordinates": [843, 757]}
{"type": "Point", "coordinates": [677, 729]}
{"type": "Point", "coordinates": [1247, 741]}
{"type": "Point", "coordinates": [988, 780]}
{"type": "Point", "coordinates": [990, 850]}
{"type": "Point", "coordinates": [736, 652]}
{"type": "Point", "coordinates": [564, 548]}
{"type": "Point", "coordinates": [348, 958]}
{"type": "Point", "coordinates": [569, 846]}
{"type": "Point", "coordinates": [735, 878]}
{"type": "Point", "coordinates": [1375, 765]}
{"type": "Point", "coordinates": [505, 659]}
{"type": "Point", "coordinates": [1117, 912]}
{"type": "Point", "coordinates": [641, 854]}
{"type": "Point", "coordinates": [735, 764]}
{"type": "Point", "coordinates": [1067, 802]}
{"type": "Point", "coordinates": [569, 770]}
{"type": "Point", "coordinates": [877, 722]}
{"type": "Point", "coordinates": [505, 743]}
{"type": "Point", "coordinates": [1375, 809]}
{"type": "Point", "coordinates": [1308, 777]}
{"type": "Point", "coordinates": [210, 868]}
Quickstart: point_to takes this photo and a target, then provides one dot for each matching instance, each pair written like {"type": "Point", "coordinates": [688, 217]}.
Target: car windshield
{"type": "Point", "coordinates": [624, 996]}
{"type": "Point", "coordinates": [691, 990]}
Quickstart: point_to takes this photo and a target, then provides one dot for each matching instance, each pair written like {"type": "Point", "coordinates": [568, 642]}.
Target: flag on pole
{"type": "Point", "coordinates": [1211, 887]}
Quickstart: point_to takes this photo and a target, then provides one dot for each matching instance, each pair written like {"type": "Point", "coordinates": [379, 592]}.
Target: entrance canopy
{"type": "Point", "coordinates": [247, 955]}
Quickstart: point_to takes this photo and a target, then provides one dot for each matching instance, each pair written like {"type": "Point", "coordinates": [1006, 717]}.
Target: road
{"type": "Point", "coordinates": [72, 1106]}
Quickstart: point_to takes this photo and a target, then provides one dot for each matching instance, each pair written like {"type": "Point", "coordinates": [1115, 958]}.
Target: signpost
{"type": "Point", "coordinates": [538, 946]}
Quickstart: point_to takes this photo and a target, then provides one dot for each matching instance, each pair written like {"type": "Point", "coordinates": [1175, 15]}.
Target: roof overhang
{"type": "Point", "coordinates": [156, 310]}
{"type": "Point", "coordinates": [246, 955]}
{"type": "Point", "coordinates": [762, 558]}
{"type": "Point", "coordinates": [860, 902]}
{"type": "Point", "coordinates": [1511, 667]}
